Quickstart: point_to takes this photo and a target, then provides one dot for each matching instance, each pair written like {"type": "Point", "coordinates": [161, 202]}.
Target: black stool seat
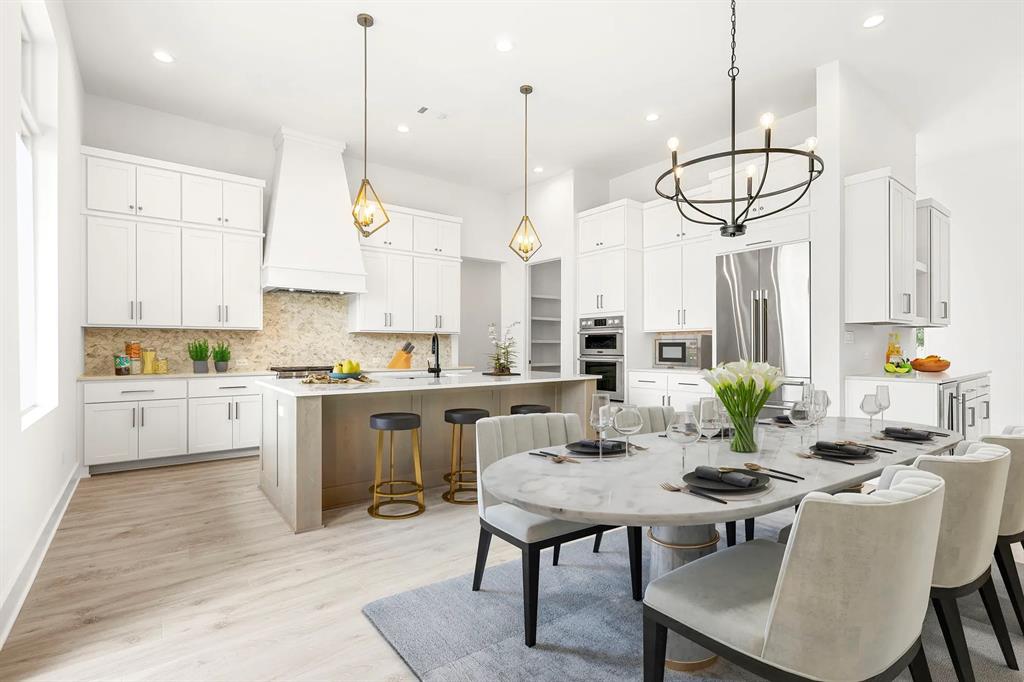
{"type": "Point", "coordinates": [465, 415]}
{"type": "Point", "coordinates": [394, 421]}
{"type": "Point", "coordinates": [530, 409]}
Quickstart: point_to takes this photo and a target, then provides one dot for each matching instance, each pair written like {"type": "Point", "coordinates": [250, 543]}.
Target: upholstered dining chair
{"type": "Point", "coordinates": [497, 437]}
{"type": "Point", "coordinates": [820, 607]}
{"type": "Point", "coordinates": [975, 485]}
{"type": "Point", "coordinates": [1011, 524]}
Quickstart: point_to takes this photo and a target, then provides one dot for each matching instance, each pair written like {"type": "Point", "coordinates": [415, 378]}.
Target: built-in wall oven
{"type": "Point", "coordinates": [602, 351]}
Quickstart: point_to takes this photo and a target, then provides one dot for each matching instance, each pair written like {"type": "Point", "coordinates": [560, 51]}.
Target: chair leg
{"type": "Point", "coordinates": [1011, 578]}
{"type": "Point", "coordinates": [635, 560]}
{"type": "Point", "coordinates": [597, 541]}
{"type": "Point", "coordinates": [995, 615]}
{"type": "Point", "coordinates": [554, 558]}
{"type": "Point", "coordinates": [953, 632]}
{"type": "Point", "coordinates": [655, 641]}
{"type": "Point", "coordinates": [919, 671]}
{"type": "Point", "coordinates": [482, 546]}
{"type": "Point", "coordinates": [749, 528]}
{"type": "Point", "coordinates": [531, 584]}
{"type": "Point", "coordinates": [730, 533]}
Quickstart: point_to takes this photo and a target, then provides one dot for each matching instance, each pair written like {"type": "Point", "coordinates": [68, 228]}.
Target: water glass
{"type": "Point", "coordinates": [683, 429]}
{"type": "Point", "coordinates": [869, 406]}
{"type": "Point", "coordinates": [600, 419]}
{"type": "Point", "coordinates": [628, 421]}
{"type": "Point", "coordinates": [802, 415]}
{"type": "Point", "coordinates": [882, 394]}
{"type": "Point", "coordinates": [821, 404]}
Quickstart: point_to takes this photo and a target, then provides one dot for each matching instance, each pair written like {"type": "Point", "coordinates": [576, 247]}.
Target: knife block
{"type": "Point", "coordinates": [400, 360]}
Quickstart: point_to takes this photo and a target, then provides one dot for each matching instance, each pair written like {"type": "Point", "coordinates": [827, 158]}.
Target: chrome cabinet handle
{"type": "Point", "coordinates": [140, 208]}
{"type": "Point", "coordinates": [142, 416]}
{"type": "Point", "coordinates": [140, 310]}
{"type": "Point", "coordinates": [678, 318]}
{"type": "Point", "coordinates": [972, 417]}
{"type": "Point", "coordinates": [229, 411]}
{"type": "Point", "coordinates": [686, 383]}
{"type": "Point", "coordinates": [133, 417]}
{"type": "Point", "coordinates": [645, 381]}
{"type": "Point", "coordinates": [218, 313]}
{"type": "Point", "coordinates": [945, 310]}
{"type": "Point", "coordinates": [225, 313]}
{"type": "Point", "coordinates": [684, 317]}
{"type": "Point", "coordinates": [763, 241]}
{"type": "Point", "coordinates": [906, 298]}
{"type": "Point", "coordinates": [236, 410]}
{"type": "Point", "coordinates": [131, 206]}
{"type": "Point", "coordinates": [988, 409]}
{"type": "Point", "coordinates": [225, 220]}
{"type": "Point", "coordinates": [131, 310]}
{"type": "Point", "coordinates": [224, 388]}
{"type": "Point", "coordinates": [139, 390]}
{"type": "Point", "coordinates": [219, 219]}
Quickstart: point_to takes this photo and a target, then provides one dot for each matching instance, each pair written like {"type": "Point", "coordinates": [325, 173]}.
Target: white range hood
{"type": "Point", "coordinates": [311, 244]}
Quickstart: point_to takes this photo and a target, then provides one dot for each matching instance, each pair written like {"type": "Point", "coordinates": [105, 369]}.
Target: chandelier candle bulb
{"type": "Point", "coordinates": [767, 119]}
{"type": "Point", "coordinates": [673, 144]}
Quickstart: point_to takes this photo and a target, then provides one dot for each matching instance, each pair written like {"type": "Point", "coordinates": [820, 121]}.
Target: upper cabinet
{"type": "Point", "coordinates": [210, 201]}
{"type": "Point", "coordinates": [221, 280]}
{"type": "Point", "coordinates": [663, 224]}
{"type": "Point", "coordinates": [135, 190]}
{"type": "Point", "coordinates": [886, 255]}
{"type": "Point", "coordinates": [933, 221]}
{"type": "Point", "coordinates": [157, 193]}
{"type": "Point", "coordinates": [436, 237]}
{"type": "Point", "coordinates": [419, 232]}
{"type": "Point", "coordinates": [615, 225]}
{"type": "Point", "coordinates": [396, 235]}
{"type": "Point", "coordinates": [679, 286]}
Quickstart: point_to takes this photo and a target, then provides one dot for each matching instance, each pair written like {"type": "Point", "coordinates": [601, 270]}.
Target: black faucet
{"type": "Point", "coordinates": [435, 348]}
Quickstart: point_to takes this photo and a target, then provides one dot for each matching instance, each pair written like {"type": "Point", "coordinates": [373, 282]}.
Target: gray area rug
{"type": "Point", "coordinates": [588, 626]}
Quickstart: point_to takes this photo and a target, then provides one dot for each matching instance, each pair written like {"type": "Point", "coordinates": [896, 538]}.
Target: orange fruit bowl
{"type": "Point", "coordinates": [930, 364]}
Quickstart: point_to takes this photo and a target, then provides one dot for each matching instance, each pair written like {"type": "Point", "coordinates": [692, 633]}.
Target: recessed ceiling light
{"type": "Point", "coordinates": [402, 128]}
{"type": "Point", "coordinates": [652, 117]}
{"type": "Point", "coordinates": [873, 20]}
{"type": "Point", "coordinates": [503, 45]}
{"type": "Point", "coordinates": [538, 169]}
{"type": "Point", "coordinates": [163, 56]}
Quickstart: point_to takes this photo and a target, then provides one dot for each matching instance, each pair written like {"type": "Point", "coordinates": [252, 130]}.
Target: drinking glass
{"type": "Point", "coordinates": [627, 421]}
{"type": "Point", "coordinates": [801, 414]}
{"type": "Point", "coordinates": [821, 404]}
{"type": "Point", "coordinates": [709, 418]}
{"type": "Point", "coordinates": [807, 392]}
{"type": "Point", "coordinates": [882, 394]}
{"type": "Point", "coordinates": [683, 429]}
{"type": "Point", "coordinates": [869, 406]}
{"type": "Point", "coordinates": [724, 419]}
{"type": "Point", "coordinates": [600, 419]}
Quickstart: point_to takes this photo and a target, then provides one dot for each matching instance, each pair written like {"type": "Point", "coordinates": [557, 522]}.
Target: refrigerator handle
{"type": "Point", "coordinates": [764, 326]}
{"type": "Point", "coordinates": [755, 333]}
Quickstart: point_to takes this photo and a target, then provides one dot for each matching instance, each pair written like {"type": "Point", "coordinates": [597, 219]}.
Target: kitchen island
{"type": "Point", "coordinates": [318, 448]}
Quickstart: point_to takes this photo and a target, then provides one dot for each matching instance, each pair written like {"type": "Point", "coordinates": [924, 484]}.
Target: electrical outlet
{"type": "Point", "coordinates": [848, 338]}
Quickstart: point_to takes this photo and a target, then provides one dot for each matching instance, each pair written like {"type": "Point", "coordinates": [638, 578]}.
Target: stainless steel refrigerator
{"type": "Point", "coordinates": [763, 312]}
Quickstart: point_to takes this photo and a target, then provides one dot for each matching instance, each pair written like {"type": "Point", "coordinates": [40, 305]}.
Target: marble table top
{"type": "Point", "coordinates": [625, 491]}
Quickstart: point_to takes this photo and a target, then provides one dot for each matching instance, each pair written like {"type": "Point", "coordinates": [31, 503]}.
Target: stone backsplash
{"type": "Point", "coordinates": [298, 329]}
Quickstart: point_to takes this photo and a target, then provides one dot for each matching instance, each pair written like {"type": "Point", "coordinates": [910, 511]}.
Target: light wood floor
{"type": "Point", "coordinates": [188, 573]}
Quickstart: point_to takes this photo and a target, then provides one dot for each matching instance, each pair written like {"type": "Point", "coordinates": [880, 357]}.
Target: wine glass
{"type": "Point", "coordinates": [882, 394]}
{"type": "Point", "coordinates": [869, 406]}
{"type": "Point", "coordinates": [683, 429]}
{"type": "Point", "coordinates": [801, 415]}
{"type": "Point", "coordinates": [600, 419]}
{"type": "Point", "coordinates": [821, 404]}
{"type": "Point", "coordinates": [628, 421]}
{"type": "Point", "coordinates": [807, 392]}
{"type": "Point", "coordinates": [724, 419]}
{"type": "Point", "coordinates": [709, 418]}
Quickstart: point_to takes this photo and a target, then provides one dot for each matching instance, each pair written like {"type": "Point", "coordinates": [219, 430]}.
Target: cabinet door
{"type": "Point", "coordinates": [400, 292]}
{"type": "Point", "coordinates": [698, 284]}
{"type": "Point", "coordinates": [201, 200]}
{"type": "Point", "coordinates": [424, 235]}
{"type": "Point", "coordinates": [158, 193]}
{"type": "Point", "coordinates": [373, 305]}
{"type": "Point", "coordinates": [588, 290]}
{"type": "Point", "coordinates": [163, 428]}
{"type": "Point", "coordinates": [591, 230]}
{"type": "Point", "coordinates": [450, 296]}
{"type": "Point", "coordinates": [662, 224]}
{"type": "Point", "coordinates": [902, 252]}
{"type": "Point", "coordinates": [247, 421]}
{"type": "Point", "coordinates": [110, 433]}
{"type": "Point", "coordinates": [426, 294]}
{"type": "Point", "coordinates": [243, 288]}
{"type": "Point", "coordinates": [110, 271]}
{"type": "Point", "coordinates": [399, 231]}
{"type": "Point", "coordinates": [613, 227]}
{"type": "Point", "coordinates": [684, 400]}
{"type": "Point", "coordinates": [210, 425]}
{"type": "Point", "coordinates": [158, 275]}
{"type": "Point", "coordinates": [939, 267]}
{"type": "Point", "coordinates": [243, 206]}
{"type": "Point", "coordinates": [612, 273]}
{"type": "Point", "coordinates": [663, 289]}
{"type": "Point", "coordinates": [110, 185]}
{"type": "Point", "coordinates": [691, 229]}
{"type": "Point", "coordinates": [449, 238]}
{"type": "Point", "coordinates": [645, 397]}
{"type": "Point", "coordinates": [202, 294]}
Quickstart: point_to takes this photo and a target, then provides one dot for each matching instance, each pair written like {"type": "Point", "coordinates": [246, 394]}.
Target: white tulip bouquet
{"type": "Point", "coordinates": [743, 387]}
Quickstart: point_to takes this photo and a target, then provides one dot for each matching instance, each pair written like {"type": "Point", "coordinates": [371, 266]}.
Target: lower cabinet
{"type": "Point", "coordinates": [163, 428]}
{"type": "Point", "coordinates": [681, 390]}
{"type": "Point", "coordinates": [123, 431]}
{"type": "Point", "coordinates": [227, 423]}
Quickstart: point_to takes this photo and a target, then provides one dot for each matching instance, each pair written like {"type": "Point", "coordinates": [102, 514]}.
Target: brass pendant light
{"type": "Point", "coordinates": [525, 240]}
{"type": "Point", "coordinates": [368, 212]}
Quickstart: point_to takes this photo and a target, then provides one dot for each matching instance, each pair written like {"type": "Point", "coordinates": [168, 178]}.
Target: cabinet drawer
{"type": "Point", "coordinates": [222, 386]}
{"type": "Point", "coordinates": [691, 384]}
{"type": "Point", "coordinates": [657, 380]}
{"type": "Point", "coordinates": [139, 389]}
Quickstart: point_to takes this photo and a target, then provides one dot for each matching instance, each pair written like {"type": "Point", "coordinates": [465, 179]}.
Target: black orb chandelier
{"type": "Point", "coordinates": [738, 212]}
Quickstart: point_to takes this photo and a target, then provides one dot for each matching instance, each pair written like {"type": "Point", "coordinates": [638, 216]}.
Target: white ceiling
{"type": "Point", "coordinates": [597, 69]}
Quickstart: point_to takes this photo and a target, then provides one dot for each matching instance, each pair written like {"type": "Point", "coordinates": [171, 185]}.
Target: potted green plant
{"type": "Point", "coordinates": [504, 354]}
{"type": "Point", "coordinates": [199, 351]}
{"type": "Point", "coordinates": [221, 355]}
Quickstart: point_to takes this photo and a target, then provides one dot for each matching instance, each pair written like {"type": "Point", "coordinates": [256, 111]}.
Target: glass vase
{"type": "Point", "coordinates": [744, 438]}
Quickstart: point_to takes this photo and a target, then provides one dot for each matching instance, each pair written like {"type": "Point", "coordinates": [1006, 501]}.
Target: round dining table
{"type": "Point", "coordinates": [627, 490]}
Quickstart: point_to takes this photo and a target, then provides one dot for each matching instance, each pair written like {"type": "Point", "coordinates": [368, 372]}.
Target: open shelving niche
{"type": "Point", "coordinates": [545, 309]}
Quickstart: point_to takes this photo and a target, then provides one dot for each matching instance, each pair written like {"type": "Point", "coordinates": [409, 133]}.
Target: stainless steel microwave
{"type": "Point", "coordinates": [689, 350]}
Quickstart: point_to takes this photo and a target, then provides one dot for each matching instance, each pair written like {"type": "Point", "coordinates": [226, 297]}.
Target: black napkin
{"type": "Point", "coordinates": [906, 433]}
{"type": "Point", "coordinates": [782, 419]}
{"type": "Point", "coordinates": [734, 478]}
{"type": "Point", "coordinates": [849, 449]}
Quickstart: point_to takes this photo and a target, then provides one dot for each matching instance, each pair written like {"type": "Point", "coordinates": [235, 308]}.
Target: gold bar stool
{"type": "Point", "coordinates": [461, 480]}
{"type": "Point", "coordinates": [529, 409]}
{"type": "Point", "coordinates": [393, 491]}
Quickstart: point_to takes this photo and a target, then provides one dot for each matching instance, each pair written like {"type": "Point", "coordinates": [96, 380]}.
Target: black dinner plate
{"type": "Point", "coordinates": [717, 486]}
{"type": "Point", "coordinates": [589, 447]}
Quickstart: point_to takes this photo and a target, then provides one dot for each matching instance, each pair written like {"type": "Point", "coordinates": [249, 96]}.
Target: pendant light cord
{"type": "Point", "coordinates": [526, 138]}
{"type": "Point", "coordinates": [365, 124]}
{"type": "Point", "coordinates": [733, 72]}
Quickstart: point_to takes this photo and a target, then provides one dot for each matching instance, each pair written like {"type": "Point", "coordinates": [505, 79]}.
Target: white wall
{"type": "Point", "coordinates": [38, 464]}
{"type": "Point", "coordinates": [972, 161]}
{"type": "Point", "coordinates": [478, 309]}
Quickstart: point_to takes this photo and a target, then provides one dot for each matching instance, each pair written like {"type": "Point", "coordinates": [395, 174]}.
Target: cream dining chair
{"type": "Point", "coordinates": [497, 437]}
{"type": "Point", "coordinates": [844, 600]}
{"type": "Point", "coordinates": [1011, 524]}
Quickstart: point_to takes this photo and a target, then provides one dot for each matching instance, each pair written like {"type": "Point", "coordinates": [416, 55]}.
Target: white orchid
{"type": "Point", "coordinates": [744, 388]}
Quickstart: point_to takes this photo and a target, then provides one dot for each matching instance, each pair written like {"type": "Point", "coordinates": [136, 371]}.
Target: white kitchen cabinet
{"type": "Point", "coordinates": [247, 421]}
{"type": "Point", "coordinates": [202, 200]}
{"type": "Point", "coordinates": [396, 235]}
{"type": "Point", "coordinates": [686, 390]}
{"type": "Point", "coordinates": [243, 292]}
{"type": "Point", "coordinates": [157, 193]}
{"type": "Point", "coordinates": [202, 293]}
{"type": "Point", "coordinates": [158, 275]}
{"type": "Point", "coordinates": [603, 229]}
{"type": "Point", "coordinates": [110, 271]}
{"type": "Point", "coordinates": [663, 289]}
{"type": "Point", "coordinates": [645, 397]}
{"type": "Point", "coordinates": [881, 252]}
{"type": "Point", "coordinates": [601, 279]}
{"type": "Point", "coordinates": [663, 224]}
{"type": "Point", "coordinates": [681, 390]}
{"type": "Point", "coordinates": [934, 220]}
{"type": "Point", "coordinates": [373, 305]}
{"type": "Point", "coordinates": [388, 304]}
{"type": "Point", "coordinates": [436, 237]}
{"type": "Point", "coordinates": [698, 284]}
{"type": "Point", "coordinates": [782, 173]}
{"type": "Point", "coordinates": [163, 428]}
{"type": "Point", "coordinates": [243, 206]}
{"type": "Point", "coordinates": [785, 228]}
{"type": "Point", "coordinates": [210, 426]}
{"type": "Point", "coordinates": [436, 295]}
{"type": "Point", "coordinates": [110, 432]}
{"type": "Point", "coordinates": [110, 185]}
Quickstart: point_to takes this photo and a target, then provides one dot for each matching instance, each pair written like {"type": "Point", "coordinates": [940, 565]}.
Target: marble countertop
{"type": "Point", "coordinates": [922, 377]}
{"type": "Point", "coordinates": [417, 381]}
{"type": "Point", "coordinates": [626, 492]}
{"type": "Point", "coordinates": [183, 375]}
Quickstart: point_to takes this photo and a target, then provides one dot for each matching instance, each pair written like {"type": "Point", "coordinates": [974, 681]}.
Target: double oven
{"type": "Point", "coordinates": [601, 344]}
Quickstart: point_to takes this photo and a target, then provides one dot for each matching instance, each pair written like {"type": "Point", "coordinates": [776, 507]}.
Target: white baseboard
{"type": "Point", "coordinates": [172, 461]}
{"type": "Point", "coordinates": [11, 607]}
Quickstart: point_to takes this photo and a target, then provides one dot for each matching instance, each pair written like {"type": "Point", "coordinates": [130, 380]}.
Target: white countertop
{"type": "Point", "coordinates": [399, 383]}
{"type": "Point", "coordinates": [183, 375]}
{"type": "Point", "coordinates": [922, 377]}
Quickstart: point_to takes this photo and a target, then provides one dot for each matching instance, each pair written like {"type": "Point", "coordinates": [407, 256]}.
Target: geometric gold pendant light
{"type": "Point", "coordinates": [525, 240]}
{"type": "Point", "coordinates": [368, 212]}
